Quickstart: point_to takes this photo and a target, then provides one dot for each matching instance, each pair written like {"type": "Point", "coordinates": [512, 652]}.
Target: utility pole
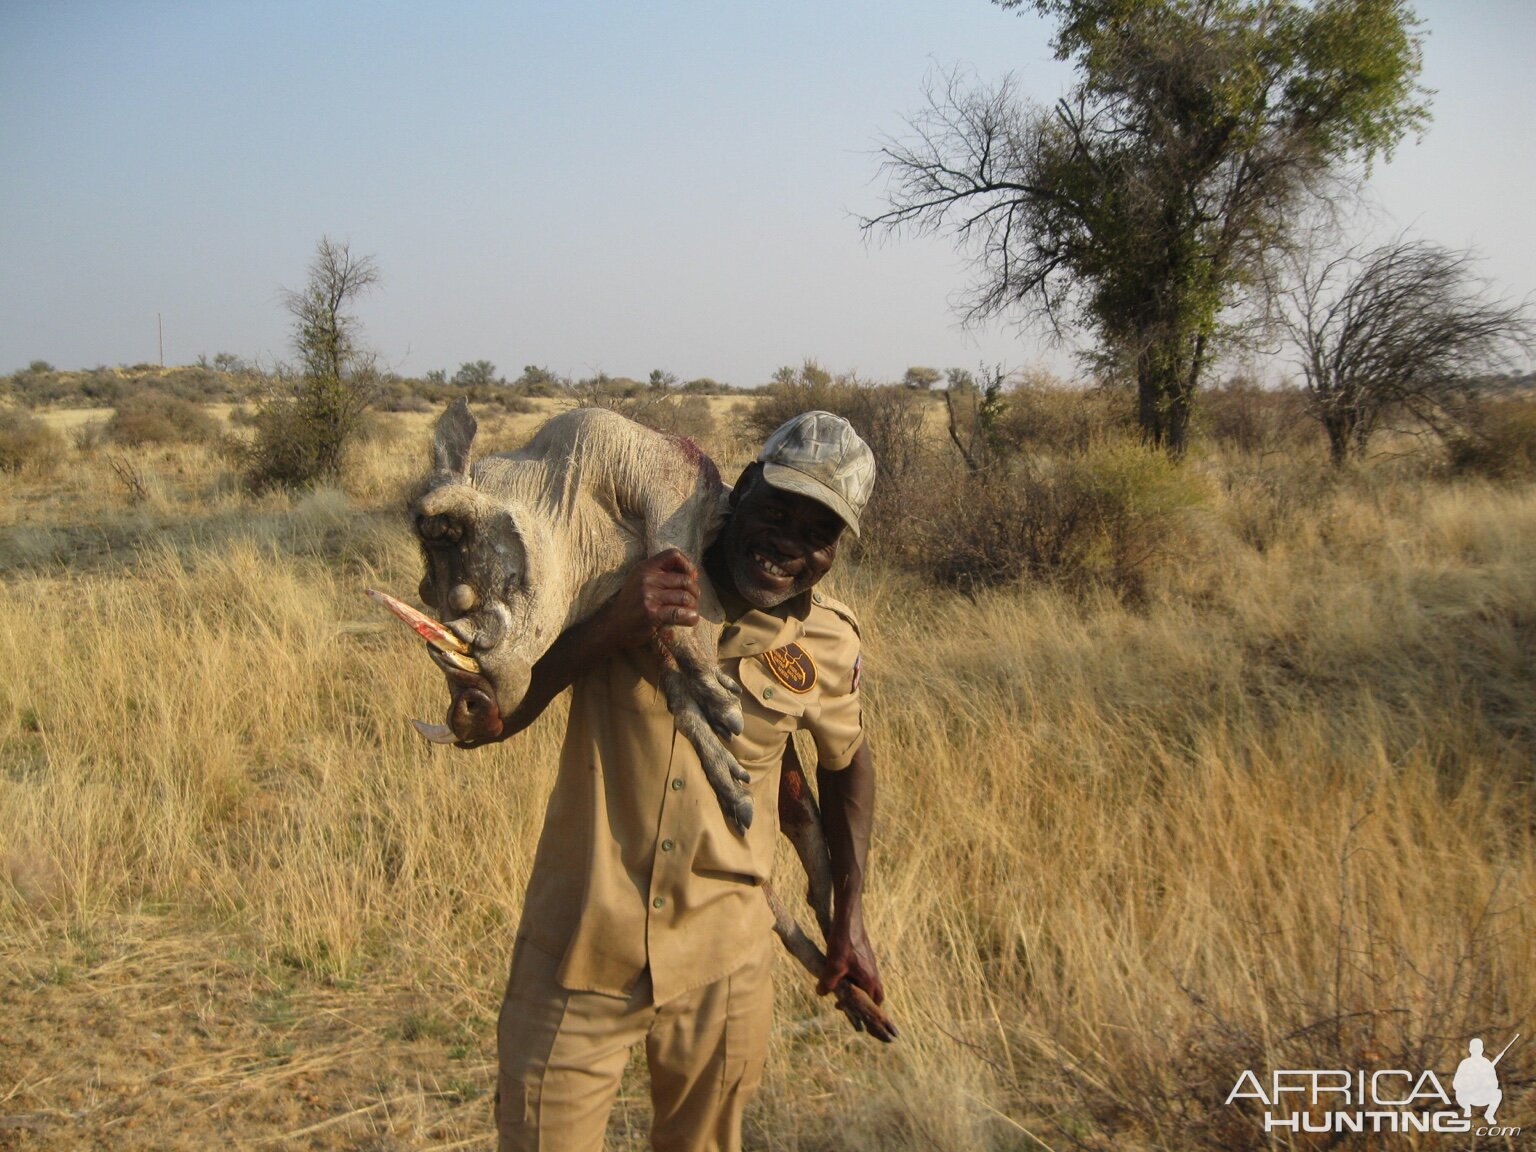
{"type": "Point", "coordinates": [160, 327]}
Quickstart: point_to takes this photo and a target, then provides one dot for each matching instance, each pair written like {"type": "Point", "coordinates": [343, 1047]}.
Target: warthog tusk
{"type": "Point", "coordinates": [456, 651]}
{"type": "Point", "coordinates": [464, 663]}
{"type": "Point", "coordinates": [437, 733]}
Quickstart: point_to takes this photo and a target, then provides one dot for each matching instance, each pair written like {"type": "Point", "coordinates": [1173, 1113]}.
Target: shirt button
{"type": "Point", "coordinates": [667, 845]}
{"type": "Point", "coordinates": [677, 785]}
{"type": "Point", "coordinates": [767, 692]}
{"type": "Point", "coordinates": [658, 902]}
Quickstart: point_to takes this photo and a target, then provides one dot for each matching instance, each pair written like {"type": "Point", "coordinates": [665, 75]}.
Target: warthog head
{"type": "Point", "coordinates": [493, 576]}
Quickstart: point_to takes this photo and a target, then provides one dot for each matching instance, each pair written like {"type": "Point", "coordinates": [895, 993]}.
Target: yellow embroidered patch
{"type": "Point", "coordinates": [792, 667]}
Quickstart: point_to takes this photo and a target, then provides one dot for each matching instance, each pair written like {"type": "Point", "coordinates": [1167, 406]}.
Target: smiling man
{"type": "Point", "coordinates": [644, 918]}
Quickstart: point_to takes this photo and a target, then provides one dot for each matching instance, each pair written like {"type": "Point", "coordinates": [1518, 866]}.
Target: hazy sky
{"type": "Point", "coordinates": [587, 186]}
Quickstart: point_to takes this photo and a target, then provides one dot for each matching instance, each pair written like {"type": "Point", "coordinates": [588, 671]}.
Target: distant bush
{"type": "Point", "coordinates": [1501, 444]}
{"type": "Point", "coordinates": [431, 394]}
{"type": "Point", "coordinates": [27, 445]}
{"type": "Point", "coordinates": [302, 429]}
{"type": "Point", "coordinates": [1039, 413]}
{"type": "Point", "coordinates": [103, 387]}
{"type": "Point", "coordinates": [705, 386]}
{"type": "Point", "coordinates": [157, 418]}
{"type": "Point", "coordinates": [1241, 415]}
{"type": "Point", "coordinates": [285, 450]}
{"type": "Point", "coordinates": [1101, 518]}
{"type": "Point", "coordinates": [88, 437]}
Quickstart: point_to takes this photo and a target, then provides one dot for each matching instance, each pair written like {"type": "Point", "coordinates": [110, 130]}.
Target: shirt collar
{"type": "Point", "coordinates": [759, 630]}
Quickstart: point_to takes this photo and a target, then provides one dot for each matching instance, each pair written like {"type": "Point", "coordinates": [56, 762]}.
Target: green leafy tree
{"type": "Point", "coordinates": [474, 375]}
{"type": "Point", "coordinates": [1144, 203]}
{"type": "Point", "coordinates": [921, 378]}
{"type": "Point", "coordinates": [537, 380]}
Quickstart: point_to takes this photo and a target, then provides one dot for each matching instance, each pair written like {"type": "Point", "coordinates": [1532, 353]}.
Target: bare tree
{"type": "Point", "coordinates": [325, 332]}
{"type": "Point", "coordinates": [306, 421]}
{"type": "Point", "coordinates": [1399, 334]}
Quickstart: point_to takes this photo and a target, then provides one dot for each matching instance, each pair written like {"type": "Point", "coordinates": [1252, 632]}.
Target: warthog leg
{"type": "Point", "coordinates": [716, 694]}
{"type": "Point", "coordinates": [720, 767]}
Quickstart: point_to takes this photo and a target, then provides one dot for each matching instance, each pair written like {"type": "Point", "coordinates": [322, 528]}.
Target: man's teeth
{"type": "Point", "coordinates": [769, 566]}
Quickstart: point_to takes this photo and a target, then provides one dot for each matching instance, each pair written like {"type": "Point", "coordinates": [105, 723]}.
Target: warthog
{"type": "Point", "coordinates": [526, 543]}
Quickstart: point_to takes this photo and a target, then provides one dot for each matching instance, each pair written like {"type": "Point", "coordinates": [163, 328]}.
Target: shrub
{"type": "Point", "coordinates": [157, 418]}
{"type": "Point", "coordinates": [1040, 413]}
{"type": "Point", "coordinates": [1502, 443]}
{"type": "Point", "coordinates": [27, 444]}
{"type": "Point", "coordinates": [87, 438]}
{"type": "Point", "coordinates": [1103, 518]}
{"type": "Point", "coordinates": [284, 452]}
{"type": "Point", "coordinates": [1250, 419]}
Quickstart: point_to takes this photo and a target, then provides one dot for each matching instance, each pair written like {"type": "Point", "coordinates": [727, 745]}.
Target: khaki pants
{"type": "Point", "coordinates": [562, 1055]}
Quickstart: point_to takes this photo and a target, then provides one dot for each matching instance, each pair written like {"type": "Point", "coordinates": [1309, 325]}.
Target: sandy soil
{"type": "Point", "coordinates": [146, 1034]}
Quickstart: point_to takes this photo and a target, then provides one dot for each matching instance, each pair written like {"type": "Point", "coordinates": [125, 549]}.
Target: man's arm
{"type": "Point", "coordinates": [662, 591]}
{"type": "Point", "coordinates": [847, 814]}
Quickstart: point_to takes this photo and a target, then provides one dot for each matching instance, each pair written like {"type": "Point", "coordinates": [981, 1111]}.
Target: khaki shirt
{"type": "Point", "coordinates": [637, 867]}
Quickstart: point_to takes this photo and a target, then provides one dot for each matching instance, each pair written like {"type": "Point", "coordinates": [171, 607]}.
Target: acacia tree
{"type": "Point", "coordinates": [1402, 331]}
{"type": "Point", "coordinates": [1144, 203]}
{"type": "Point", "coordinates": [475, 374]}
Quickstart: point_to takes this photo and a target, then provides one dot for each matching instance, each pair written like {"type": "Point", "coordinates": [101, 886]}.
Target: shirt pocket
{"type": "Point", "coordinates": [770, 712]}
{"type": "Point", "coordinates": [761, 688]}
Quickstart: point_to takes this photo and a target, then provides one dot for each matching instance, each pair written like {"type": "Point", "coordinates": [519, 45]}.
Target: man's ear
{"type": "Point", "coordinates": [745, 481]}
{"type": "Point", "coordinates": [451, 438]}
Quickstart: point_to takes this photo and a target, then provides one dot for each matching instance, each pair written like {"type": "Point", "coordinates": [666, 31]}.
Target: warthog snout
{"type": "Point", "coordinates": [473, 714]}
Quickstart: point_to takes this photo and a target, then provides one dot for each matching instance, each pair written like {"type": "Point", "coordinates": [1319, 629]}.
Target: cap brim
{"type": "Point", "coordinates": [788, 479]}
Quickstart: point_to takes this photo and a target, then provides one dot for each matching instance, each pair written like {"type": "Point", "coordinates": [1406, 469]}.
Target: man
{"type": "Point", "coordinates": [644, 918]}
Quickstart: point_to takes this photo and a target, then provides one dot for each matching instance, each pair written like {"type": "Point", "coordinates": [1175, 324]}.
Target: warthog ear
{"type": "Point", "coordinates": [451, 438]}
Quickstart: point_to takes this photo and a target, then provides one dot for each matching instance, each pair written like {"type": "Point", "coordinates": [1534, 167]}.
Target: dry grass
{"type": "Point", "coordinates": [1278, 814]}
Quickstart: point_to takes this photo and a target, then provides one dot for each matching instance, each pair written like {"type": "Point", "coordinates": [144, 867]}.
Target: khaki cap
{"type": "Point", "coordinates": [819, 455]}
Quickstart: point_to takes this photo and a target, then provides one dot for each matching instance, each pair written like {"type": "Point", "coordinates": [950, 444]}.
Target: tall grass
{"type": "Point", "coordinates": [1276, 813]}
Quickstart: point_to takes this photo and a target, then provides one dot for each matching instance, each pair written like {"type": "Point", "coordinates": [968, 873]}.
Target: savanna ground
{"type": "Point", "coordinates": [1265, 802]}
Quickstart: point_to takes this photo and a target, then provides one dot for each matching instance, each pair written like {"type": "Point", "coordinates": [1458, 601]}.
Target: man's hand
{"type": "Point", "coordinates": [661, 592]}
{"type": "Point", "coordinates": [849, 956]}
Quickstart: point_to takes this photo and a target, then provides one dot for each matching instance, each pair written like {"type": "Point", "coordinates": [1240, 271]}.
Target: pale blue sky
{"type": "Point", "coordinates": [596, 186]}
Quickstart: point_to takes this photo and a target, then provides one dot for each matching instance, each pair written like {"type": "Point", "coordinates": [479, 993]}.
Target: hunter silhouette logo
{"type": "Point", "coordinates": [1477, 1080]}
{"type": "Point", "coordinates": [1340, 1100]}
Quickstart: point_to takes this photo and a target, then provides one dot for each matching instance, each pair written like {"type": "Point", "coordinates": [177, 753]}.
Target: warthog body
{"type": "Point", "coordinates": [524, 544]}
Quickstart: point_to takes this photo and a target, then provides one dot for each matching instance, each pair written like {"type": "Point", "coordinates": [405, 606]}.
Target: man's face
{"type": "Point", "coordinates": [778, 543]}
